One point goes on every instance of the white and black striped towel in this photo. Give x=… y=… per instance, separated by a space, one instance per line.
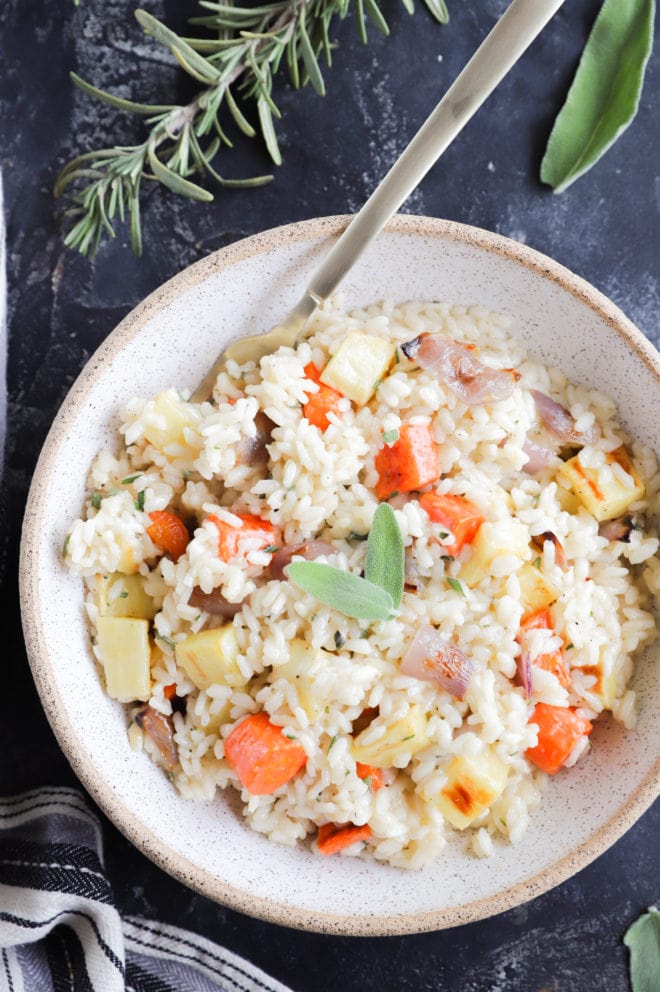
x=60 y=930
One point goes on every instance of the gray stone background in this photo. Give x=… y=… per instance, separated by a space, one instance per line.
x=335 y=149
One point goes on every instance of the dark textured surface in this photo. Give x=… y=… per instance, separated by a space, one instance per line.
x=605 y=228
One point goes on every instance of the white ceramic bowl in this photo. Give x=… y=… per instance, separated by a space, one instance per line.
x=171 y=339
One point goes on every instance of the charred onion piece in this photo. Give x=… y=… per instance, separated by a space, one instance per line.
x=559 y=421
x=309 y=550
x=253 y=450
x=431 y=658
x=538 y=457
x=161 y=730
x=524 y=672
x=560 y=555
x=617 y=530
x=214 y=602
x=455 y=364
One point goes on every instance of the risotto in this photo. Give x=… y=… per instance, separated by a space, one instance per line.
x=382 y=585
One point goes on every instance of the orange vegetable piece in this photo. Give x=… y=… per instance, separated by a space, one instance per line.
x=253 y=534
x=321 y=403
x=410 y=463
x=169 y=691
x=560 y=729
x=333 y=838
x=375 y=775
x=554 y=661
x=262 y=756
x=455 y=513
x=169 y=532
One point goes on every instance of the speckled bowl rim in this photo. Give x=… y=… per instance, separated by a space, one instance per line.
x=130 y=825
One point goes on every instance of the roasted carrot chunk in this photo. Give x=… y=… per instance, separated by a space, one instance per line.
x=321 y=403
x=560 y=728
x=408 y=464
x=553 y=661
x=372 y=776
x=455 y=513
x=253 y=534
x=333 y=838
x=169 y=532
x=262 y=756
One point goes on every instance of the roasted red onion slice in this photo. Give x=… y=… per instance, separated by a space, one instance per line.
x=538 y=457
x=214 y=602
x=524 y=672
x=616 y=530
x=431 y=658
x=559 y=421
x=252 y=450
x=456 y=365
x=161 y=730
x=309 y=550
x=560 y=555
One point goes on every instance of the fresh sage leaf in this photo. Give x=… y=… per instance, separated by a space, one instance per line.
x=604 y=96
x=384 y=564
x=342 y=591
x=643 y=941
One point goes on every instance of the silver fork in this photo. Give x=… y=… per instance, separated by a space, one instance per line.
x=522 y=21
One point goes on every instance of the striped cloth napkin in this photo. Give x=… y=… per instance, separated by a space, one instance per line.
x=60 y=929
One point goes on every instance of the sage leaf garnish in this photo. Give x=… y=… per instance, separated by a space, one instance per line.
x=384 y=564
x=643 y=941
x=604 y=96
x=350 y=594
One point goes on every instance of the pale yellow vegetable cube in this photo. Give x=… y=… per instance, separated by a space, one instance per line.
x=536 y=591
x=494 y=538
x=474 y=782
x=119 y=595
x=358 y=365
x=604 y=499
x=406 y=736
x=125 y=653
x=308 y=669
x=210 y=657
x=567 y=499
x=606 y=685
x=175 y=416
x=128 y=563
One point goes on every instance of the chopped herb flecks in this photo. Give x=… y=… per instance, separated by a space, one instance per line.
x=130 y=478
x=139 y=501
x=167 y=640
x=390 y=437
x=96 y=500
x=456 y=586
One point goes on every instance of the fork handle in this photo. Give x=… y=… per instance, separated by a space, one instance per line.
x=500 y=50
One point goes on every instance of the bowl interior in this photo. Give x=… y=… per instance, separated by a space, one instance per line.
x=170 y=340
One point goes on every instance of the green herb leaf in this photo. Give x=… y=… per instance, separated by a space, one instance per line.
x=456 y=586
x=439 y=10
x=643 y=941
x=343 y=591
x=384 y=564
x=118 y=101
x=139 y=501
x=604 y=96
x=167 y=640
x=130 y=478
x=389 y=437
x=123 y=594
x=174 y=182
x=331 y=744
x=271 y=549
x=536 y=563
x=96 y=500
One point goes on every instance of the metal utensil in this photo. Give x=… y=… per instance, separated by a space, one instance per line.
x=522 y=21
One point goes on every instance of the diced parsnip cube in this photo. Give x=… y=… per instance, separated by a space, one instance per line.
x=536 y=591
x=125 y=653
x=209 y=657
x=358 y=365
x=567 y=499
x=494 y=538
x=128 y=563
x=606 y=684
x=176 y=416
x=405 y=736
x=474 y=782
x=119 y=595
x=309 y=671
x=604 y=499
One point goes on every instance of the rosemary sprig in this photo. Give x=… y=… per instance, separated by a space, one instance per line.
x=235 y=68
